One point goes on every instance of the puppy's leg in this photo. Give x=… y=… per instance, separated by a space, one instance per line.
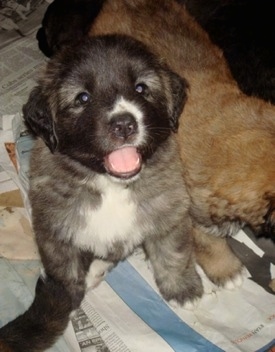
x=217 y=259
x=42 y=323
x=68 y=265
x=59 y=291
x=97 y=272
x=174 y=268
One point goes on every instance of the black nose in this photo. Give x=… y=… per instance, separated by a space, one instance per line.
x=123 y=125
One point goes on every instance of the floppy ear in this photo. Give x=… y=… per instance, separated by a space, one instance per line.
x=38 y=118
x=179 y=87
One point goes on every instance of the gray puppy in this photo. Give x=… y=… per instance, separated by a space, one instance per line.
x=106 y=176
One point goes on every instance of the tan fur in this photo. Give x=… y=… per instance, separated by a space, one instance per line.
x=227 y=139
x=216 y=258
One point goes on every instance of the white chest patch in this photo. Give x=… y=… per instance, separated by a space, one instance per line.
x=113 y=221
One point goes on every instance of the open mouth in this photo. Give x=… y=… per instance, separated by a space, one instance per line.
x=124 y=162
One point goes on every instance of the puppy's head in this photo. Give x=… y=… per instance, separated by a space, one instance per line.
x=107 y=103
x=64 y=22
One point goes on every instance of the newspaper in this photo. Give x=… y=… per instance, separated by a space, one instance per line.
x=125 y=313
x=20 y=57
x=20 y=65
x=19 y=19
x=8 y=173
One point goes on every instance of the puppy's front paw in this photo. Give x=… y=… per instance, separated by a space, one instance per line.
x=234 y=282
x=186 y=292
x=97 y=272
x=231 y=279
x=218 y=261
x=188 y=305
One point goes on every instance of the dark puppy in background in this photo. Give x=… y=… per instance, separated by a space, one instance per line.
x=106 y=177
x=244 y=30
x=65 y=22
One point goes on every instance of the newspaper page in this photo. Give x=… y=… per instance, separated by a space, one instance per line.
x=19 y=68
x=18 y=19
x=7 y=163
x=20 y=58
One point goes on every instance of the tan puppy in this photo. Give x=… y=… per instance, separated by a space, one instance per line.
x=227 y=139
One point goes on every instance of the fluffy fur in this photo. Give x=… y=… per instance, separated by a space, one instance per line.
x=107 y=96
x=226 y=138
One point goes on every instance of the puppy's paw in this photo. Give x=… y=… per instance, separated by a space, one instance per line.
x=234 y=282
x=188 y=305
x=97 y=272
x=185 y=291
x=191 y=305
x=227 y=272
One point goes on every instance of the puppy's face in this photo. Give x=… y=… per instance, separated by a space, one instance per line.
x=107 y=103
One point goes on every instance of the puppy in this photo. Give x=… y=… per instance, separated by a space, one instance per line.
x=226 y=138
x=65 y=22
x=106 y=177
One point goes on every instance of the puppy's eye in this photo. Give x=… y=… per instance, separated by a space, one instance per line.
x=141 y=88
x=82 y=98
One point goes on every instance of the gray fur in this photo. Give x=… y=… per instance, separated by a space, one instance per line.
x=85 y=218
x=65 y=193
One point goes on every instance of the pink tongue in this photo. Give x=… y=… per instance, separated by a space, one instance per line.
x=123 y=161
